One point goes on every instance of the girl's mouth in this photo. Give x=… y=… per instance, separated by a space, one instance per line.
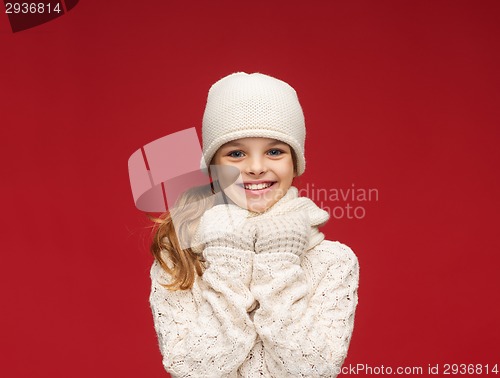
x=258 y=188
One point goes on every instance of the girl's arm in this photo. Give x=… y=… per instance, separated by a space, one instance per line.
x=307 y=305
x=206 y=331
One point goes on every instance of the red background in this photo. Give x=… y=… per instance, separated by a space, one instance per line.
x=398 y=96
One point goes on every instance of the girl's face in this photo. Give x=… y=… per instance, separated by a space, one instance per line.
x=266 y=167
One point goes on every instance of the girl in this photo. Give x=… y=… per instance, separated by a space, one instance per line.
x=259 y=293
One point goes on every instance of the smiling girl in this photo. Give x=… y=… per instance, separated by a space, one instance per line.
x=260 y=292
x=267 y=167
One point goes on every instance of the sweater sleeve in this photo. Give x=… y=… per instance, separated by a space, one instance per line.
x=307 y=306
x=206 y=331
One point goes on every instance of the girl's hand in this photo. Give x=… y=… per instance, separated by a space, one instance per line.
x=288 y=232
x=225 y=226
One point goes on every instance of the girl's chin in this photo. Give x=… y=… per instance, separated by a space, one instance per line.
x=259 y=206
x=257 y=209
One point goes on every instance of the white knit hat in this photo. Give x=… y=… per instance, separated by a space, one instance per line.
x=245 y=105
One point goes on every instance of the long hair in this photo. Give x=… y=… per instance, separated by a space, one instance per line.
x=182 y=264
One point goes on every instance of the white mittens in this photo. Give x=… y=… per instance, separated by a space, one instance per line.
x=289 y=232
x=228 y=226
x=225 y=226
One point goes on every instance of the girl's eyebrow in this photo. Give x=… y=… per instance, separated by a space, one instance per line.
x=233 y=143
x=275 y=142
x=238 y=144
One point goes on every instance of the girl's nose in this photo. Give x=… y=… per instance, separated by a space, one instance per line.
x=256 y=166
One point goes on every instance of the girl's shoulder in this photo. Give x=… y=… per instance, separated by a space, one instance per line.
x=158 y=274
x=335 y=247
x=331 y=262
x=329 y=251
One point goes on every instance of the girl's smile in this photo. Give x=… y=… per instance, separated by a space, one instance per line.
x=266 y=168
x=257 y=187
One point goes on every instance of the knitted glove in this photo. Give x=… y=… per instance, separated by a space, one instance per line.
x=225 y=226
x=289 y=232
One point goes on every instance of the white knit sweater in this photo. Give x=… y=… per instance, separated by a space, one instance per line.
x=261 y=315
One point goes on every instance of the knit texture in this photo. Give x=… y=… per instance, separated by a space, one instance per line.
x=279 y=312
x=225 y=225
x=287 y=233
x=245 y=105
x=291 y=203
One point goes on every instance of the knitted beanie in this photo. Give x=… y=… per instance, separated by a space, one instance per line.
x=245 y=105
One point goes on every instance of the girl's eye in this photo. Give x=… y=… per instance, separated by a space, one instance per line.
x=275 y=152
x=235 y=154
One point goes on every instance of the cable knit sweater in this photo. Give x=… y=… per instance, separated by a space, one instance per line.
x=250 y=314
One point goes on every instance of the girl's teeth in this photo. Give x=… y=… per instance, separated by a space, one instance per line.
x=257 y=186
